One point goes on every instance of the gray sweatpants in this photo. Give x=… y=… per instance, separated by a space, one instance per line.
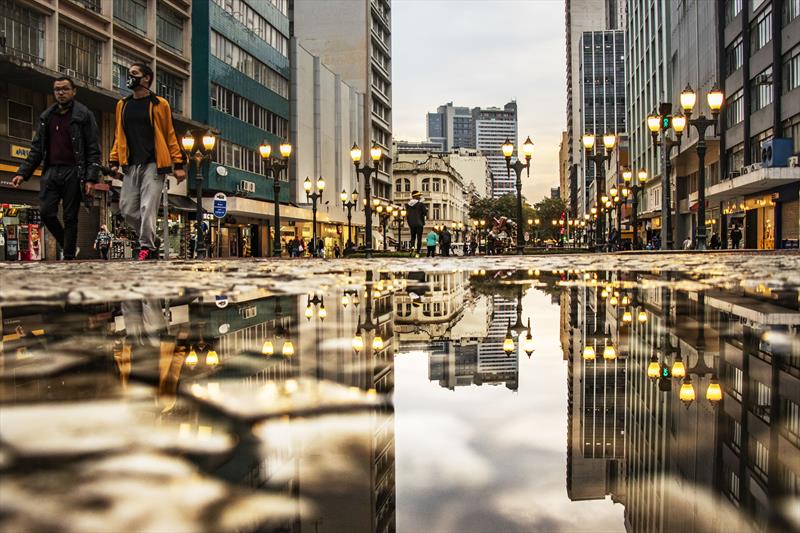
x=140 y=199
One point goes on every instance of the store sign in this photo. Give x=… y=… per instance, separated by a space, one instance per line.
x=221 y=301
x=20 y=152
x=220 y=205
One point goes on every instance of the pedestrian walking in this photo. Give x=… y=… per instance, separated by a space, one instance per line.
x=102 y=243
x=66 y=145
x=416 y=212
x=473 y=245
x=321 y=248
x=432 y=240
x=337 y=252
x=687 y=243
x=146 y=149
x=445 y=240
x=715 y=241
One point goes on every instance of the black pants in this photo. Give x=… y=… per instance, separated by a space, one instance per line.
x=416 y=238
x=432 y=251
x=61 y=184
x=103 y=252
x=445 y=249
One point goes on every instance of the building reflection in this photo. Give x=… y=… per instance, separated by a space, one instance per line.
x=462 y=331
x=702 y=402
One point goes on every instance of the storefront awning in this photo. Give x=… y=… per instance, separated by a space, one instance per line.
x=182 y=203
x=248 y=207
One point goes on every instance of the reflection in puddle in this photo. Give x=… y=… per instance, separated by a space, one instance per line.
x=379 y=400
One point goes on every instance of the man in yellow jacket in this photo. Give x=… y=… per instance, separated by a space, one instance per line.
x=146 y=149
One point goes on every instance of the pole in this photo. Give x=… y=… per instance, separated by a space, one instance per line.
x=700 y=240
x=635 y=190
x=314 y=252
x=384 y=223
x=368 y=208
x=666 y=222
x=276 y=192
x=600 y=183
x=219 y=237
x=520 y=240
x=200 y=247
x=350 y=225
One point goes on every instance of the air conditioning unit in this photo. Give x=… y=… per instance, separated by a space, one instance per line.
x=247 y=186
x=794 y=161
x=70 y=72
x=776 y=152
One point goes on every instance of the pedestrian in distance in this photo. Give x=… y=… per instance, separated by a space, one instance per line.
x=337 y=252
x=715 y=241
x=432 y=240
x=417 y=213
x=321 y=248
x=736 y=236
x=445 y=240
x=145 y=151
x=66 y=145
x=102 y=243
x=687 y=243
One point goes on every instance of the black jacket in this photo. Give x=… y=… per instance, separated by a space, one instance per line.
x=417 y=213
x=84 y=133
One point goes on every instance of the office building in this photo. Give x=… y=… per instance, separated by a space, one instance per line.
x=602 y=71
x=415 y=147
x=579 y=16
x=451 y=126
x=241 y=88
x=648 y=70
x=354 y=40
x=493 y=126
x=94 y=43
x=326 y=115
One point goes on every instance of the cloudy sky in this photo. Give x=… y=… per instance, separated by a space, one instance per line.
x=483 y=53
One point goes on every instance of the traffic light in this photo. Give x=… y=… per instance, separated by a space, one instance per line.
x=665 y=380
x=665 y=122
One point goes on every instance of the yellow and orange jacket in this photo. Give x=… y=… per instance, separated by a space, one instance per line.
x=168 y=152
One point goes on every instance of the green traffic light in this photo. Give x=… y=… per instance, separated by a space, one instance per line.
x=665 y=371
x=665 y=123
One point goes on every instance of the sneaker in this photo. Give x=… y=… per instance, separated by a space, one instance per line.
x=143 y=253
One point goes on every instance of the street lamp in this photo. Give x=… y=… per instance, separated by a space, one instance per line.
x=314 y=197
x=399 y=214
x=384 y=214
x=519 y=166
x=273 y=166
x=661 y=122
x=349 y=205
x=203 y=153
x=715 y=100
x=366 y=171
x=635 y=187
x=599 y=158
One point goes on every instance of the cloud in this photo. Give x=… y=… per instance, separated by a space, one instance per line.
x=479 y=53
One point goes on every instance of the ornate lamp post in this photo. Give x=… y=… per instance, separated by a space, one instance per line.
x=273 y=167
x=519 y=166
x=366 y=171
x=399 y=214
x=314 y=197
x=635 y=187
x=599 y=158
x=701 y=124
x=656 y=122
x=384 y=212
x=203 y=153
x=349 y=205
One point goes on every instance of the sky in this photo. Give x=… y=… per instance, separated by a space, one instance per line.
x=482 y=53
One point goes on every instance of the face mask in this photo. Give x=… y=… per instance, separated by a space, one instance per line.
x=133 y=81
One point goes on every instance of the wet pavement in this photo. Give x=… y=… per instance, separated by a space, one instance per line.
x=639 y=392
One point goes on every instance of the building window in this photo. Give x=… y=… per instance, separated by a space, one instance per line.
x=735 y=381
x=791 y=69
x=733 y=484
x=78 y=55
x=761 y=30
x=755 y=144
x=734 y=110
x=170 y=87
x=437 y=185
x=791 y=129
x=20 y=120
x=735 y=434
x=132 y=14
x=759 y=454
x=229 y=53
x=255 y=23
x=762 y=400
x=732 y=8
x=23 y=29
x=791 y=420
x=734 y=55
x=761 y=90
x=791 y=10
x=119 y=70
x=230 y=103
x=169 y=28
x=233 y=155
x=437 y=212
x=426 y=185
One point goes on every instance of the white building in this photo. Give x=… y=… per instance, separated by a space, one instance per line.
x=493 y=126
x=474 y=169
x=353 y=39
x=326 y=114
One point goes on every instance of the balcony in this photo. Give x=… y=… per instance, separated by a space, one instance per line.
x=754 y=181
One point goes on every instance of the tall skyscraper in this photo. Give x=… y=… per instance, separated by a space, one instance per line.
x=649 y=77
x=579 y=16
x=353 y=38
x=452 y=126
x=602 y=85
x=493 y=126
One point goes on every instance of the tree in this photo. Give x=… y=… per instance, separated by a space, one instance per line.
x=505 y=206
x=547 y=210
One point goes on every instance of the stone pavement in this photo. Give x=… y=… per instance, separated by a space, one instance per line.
x=99 y=281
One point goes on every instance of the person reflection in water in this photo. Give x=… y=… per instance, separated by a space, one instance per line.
x=146 y=334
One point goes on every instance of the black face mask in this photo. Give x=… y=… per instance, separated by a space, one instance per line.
x=133 y=81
